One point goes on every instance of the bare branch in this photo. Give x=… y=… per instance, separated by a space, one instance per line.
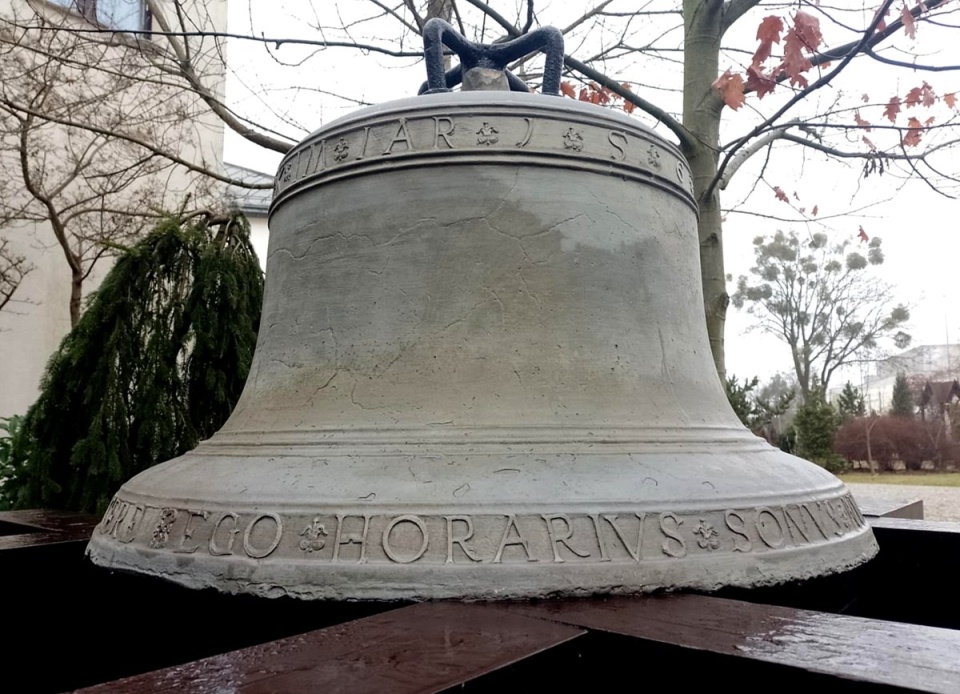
x=823 y=81
x=841 y=154
x=911 y=162
x=93 y=128
x=13 y=268
x=572 y=63
x=874 y=37
x=734 y=10
x=274 y=40
x=529 y=22
x=584 y=17
x=393 y=13
x=744 y=154
x=416 y=15
x=910 y=66
x=189 y=73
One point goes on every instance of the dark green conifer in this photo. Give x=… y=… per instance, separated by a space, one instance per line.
x=850 y=402
x=154 y=366
x=816 y=426
x=901 y=402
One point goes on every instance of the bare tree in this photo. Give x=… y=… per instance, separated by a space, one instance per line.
x=13 y=268
x=822 y=300
x=789 y=71
x=94 y=146
x=78 y=181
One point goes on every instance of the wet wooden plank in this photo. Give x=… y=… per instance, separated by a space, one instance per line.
x=428 y=647
x=914 y=658
x=886 y=508
x=37 y=527
x=945 y=528
x=36 y=539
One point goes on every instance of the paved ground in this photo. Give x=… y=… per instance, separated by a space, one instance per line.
x=939 y=503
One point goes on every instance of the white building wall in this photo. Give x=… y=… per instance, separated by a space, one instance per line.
x=34 y=323
x=260 y=237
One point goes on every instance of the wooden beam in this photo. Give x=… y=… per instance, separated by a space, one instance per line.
x=869 y=651
x=428 y=647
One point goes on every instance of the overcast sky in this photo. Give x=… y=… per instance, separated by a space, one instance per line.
x=917 y=224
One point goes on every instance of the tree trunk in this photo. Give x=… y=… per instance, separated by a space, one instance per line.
x=74 y=260
x=873 y=467
x=701 y=117
x=76 y=295
x=442 y=9
x=803 y=380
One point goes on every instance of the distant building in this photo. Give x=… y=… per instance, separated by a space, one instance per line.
x=937 y=397
x=936 y=361
x=921 y=364
x=254 y=203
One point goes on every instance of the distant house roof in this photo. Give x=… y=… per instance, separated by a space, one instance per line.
x=939 y=392
x=253 y=202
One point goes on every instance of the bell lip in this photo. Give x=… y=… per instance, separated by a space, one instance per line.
x=807 y=525
x=356 y=582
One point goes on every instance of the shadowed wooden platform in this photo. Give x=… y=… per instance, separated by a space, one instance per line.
x=891 y=625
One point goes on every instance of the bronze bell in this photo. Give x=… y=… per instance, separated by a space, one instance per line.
x=482 y=372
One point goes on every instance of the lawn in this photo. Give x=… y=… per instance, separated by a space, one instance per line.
x=926 y=479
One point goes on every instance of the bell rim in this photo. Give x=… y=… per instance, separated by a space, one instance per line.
x=373 y=582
